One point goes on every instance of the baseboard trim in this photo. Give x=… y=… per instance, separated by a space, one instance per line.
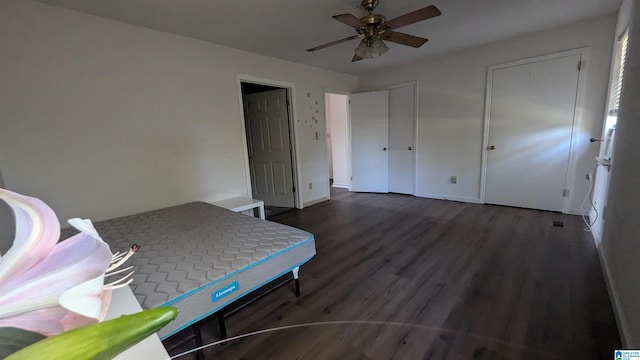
x=316 y=201
x=613 y=297
x=342 y=186
x=449 y=197
x=580 y=212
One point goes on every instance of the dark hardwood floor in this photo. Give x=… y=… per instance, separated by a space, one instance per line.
x=418 y=278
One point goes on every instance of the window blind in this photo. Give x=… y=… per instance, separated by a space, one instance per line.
x=616 y=85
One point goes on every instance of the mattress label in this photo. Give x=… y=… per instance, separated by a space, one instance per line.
x=234 y=286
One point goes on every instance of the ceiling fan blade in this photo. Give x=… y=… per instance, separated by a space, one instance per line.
x=350 y=20
x=335 y=42
x=404 y=39
x=412 y=17
x=356 y=58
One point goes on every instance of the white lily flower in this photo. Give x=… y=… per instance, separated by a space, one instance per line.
x=50 y=287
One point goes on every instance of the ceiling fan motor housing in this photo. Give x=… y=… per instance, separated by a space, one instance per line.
x=372 y=24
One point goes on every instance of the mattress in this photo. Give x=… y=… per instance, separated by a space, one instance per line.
x=199 y=257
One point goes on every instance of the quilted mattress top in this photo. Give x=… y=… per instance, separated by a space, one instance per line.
x=187 y=246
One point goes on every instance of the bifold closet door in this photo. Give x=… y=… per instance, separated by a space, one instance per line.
x=402 y=117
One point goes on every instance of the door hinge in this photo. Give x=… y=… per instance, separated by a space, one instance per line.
x=565 y=192
x=349 y=101
x=294 y=189
x=580 y=64
x=287 y=102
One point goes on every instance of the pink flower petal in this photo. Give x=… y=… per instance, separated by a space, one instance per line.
x=85 y=299
x=85 y=226
x=57 y=319
x=37 y=232
x=48 y=322
x=72 y=262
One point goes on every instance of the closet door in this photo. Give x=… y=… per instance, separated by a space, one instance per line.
x=370 y=141
x=530 y=130
x=402 y=119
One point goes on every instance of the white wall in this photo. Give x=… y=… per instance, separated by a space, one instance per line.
x=100 y=118
x=451 y=103
x=601 y=186
x=620 y=247
x=337 y=116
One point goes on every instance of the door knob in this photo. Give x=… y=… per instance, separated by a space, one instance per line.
x=491 y=147
x=410 y=148
x=384 y=149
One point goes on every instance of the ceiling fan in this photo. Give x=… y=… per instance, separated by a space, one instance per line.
x=374 y=28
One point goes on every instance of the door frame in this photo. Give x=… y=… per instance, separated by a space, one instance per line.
x=290 y=88
x=326 y=124
x=415 y=130
x=577 y=116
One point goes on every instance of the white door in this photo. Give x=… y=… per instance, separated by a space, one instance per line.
x=402 y=115
x=267 y=125
x=530 y=126
x=337 y=110
x=370 y=141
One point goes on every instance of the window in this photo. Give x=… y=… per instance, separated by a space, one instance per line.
x=614 y=92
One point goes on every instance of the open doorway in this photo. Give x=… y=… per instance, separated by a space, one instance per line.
x=268 y=130
x=337 y=110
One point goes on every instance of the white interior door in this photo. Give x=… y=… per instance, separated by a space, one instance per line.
x=531 y=119
x=267 y=126
x=337 y=110
x=370 y=141
x=402 y=115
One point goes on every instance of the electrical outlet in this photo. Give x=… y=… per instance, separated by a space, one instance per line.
x=310 y=186
x=454 y=179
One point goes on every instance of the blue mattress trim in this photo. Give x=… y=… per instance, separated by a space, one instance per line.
x=216 y=309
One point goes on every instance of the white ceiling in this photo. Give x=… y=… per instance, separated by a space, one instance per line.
x=286 y=28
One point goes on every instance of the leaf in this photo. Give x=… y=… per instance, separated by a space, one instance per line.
x=13 y=339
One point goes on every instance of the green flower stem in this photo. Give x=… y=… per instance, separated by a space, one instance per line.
x=103 y=340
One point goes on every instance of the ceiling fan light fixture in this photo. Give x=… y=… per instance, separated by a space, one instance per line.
x=370 y=47
x=364 y=50
x=368 y=53
x=378 y=46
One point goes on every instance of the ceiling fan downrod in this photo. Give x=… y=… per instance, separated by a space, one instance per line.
x=369 y=5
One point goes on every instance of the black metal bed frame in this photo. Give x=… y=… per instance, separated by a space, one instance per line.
x=233 y=308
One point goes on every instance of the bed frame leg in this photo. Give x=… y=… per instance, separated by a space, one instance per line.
x=221 y=325
x=198 y=339
x=297 y=280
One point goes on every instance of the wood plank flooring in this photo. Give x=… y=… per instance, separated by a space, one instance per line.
x=417 y=278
